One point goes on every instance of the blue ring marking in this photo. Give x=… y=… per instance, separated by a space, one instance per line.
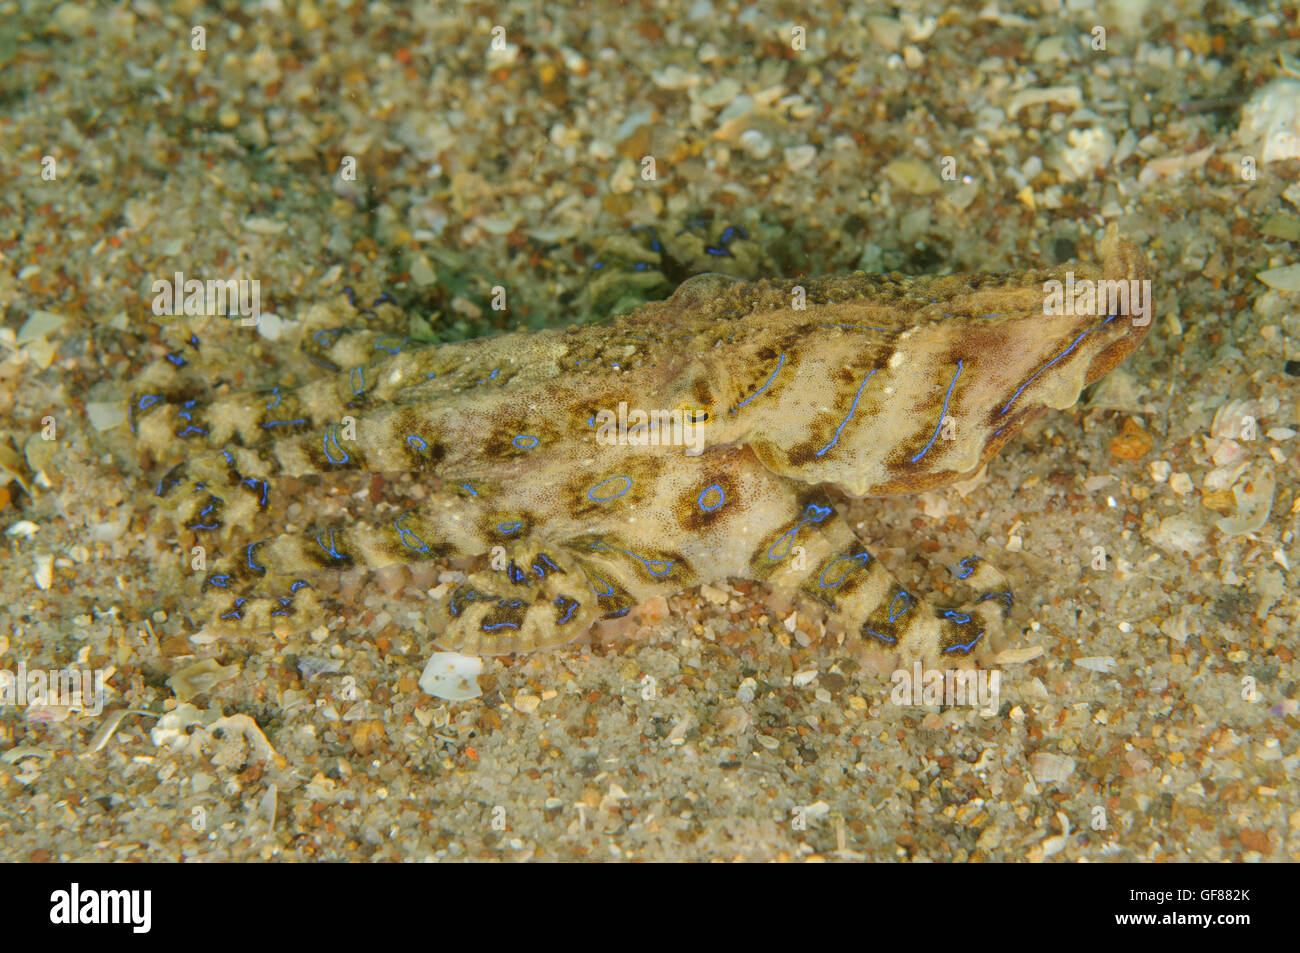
x=357 y=372
x=627 y=485
x=722 y=498
x=883 y=638
x=401 y=343
x=541 y=572
x=765 y=386
x=907 y=604
x=331 y=435
x=331 y=547
x=248 y=554
x=525 y=438
x=224 y=580
x=469 y=489
x=509 y=529
x=151 y=398
x=559 y=601
x=960 y=618
x=283 y=423
x=861 y=559
x=275 y=392
x=498 y=625
x=403 y=533
x=966 y=567
x=326 y=333
x=813 y=513
x=416 y=443
x=963 y=649
x=235 y=612
x=943 y=412
x=254 y=484
x=852 y=410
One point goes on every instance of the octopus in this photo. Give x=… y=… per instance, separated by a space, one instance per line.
x=579 y=472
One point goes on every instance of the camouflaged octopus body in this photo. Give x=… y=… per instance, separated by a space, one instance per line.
x=878 y=385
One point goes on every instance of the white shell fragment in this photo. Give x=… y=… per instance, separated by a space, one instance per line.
x=1270 y=122
x=1253 y=507
x=452 y=676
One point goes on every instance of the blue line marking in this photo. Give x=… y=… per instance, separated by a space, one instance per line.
x=541 y=572
x=960 y=618
x=609 y=590
x=883 y=638
x=965 y=648
x=248 y=553
x=499 y=625
x=591 y=494
x=469 y=489
x=765 y=386
x=943 y=412
x=283 y=423
x=852 y=410
x=357 y=378
x=418 y=546
x=722 y=498
x=330 y=548
x=509 y=528
x=391 y=349
x=665 y=565
x=559 y=601
x=254 y=484
x=966 y=567
x=1058 y=357
x=332 y=435
x=221 y=581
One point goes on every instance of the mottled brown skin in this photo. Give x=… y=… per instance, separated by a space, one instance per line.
x=876 y=385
